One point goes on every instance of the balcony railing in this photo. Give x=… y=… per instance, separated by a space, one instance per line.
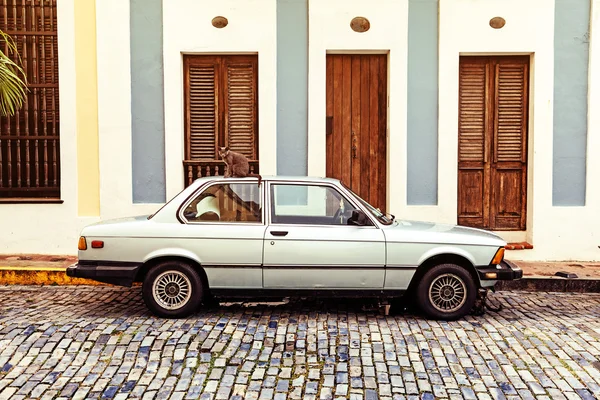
x=194 y=169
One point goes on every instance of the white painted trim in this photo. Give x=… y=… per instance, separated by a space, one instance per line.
x=187 y=29
x=114 y=111
x=67 y=101
x=593 y=132
x=114 y=104
x=512 y=236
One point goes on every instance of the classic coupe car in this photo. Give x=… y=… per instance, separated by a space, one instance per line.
x=289 y=236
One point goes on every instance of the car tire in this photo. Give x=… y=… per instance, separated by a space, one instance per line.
x=447 y=292
x=172 y=289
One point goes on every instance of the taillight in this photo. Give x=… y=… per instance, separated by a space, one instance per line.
x=97 y=244
x=82 y=245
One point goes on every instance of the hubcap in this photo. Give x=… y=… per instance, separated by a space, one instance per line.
x=447 y=293
x=172 y=290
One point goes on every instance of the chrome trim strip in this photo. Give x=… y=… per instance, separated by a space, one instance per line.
x=273 y=238
x=291 y=266
x=402 y=266
x=228 y=266
x=442 y=244
x=371 y=267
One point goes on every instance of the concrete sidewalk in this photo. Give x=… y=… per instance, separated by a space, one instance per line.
x=36 y=269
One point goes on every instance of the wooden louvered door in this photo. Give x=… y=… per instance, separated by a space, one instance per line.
x=492 y=150
x=240 y=105
x=221 y=109
x=356 y=101
x=202 y=100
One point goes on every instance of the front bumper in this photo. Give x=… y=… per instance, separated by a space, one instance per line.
x=505 y=271
x=116 y=273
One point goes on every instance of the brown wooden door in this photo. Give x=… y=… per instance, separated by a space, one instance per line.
x=221 y=109
x=356 y=124
x=492 y=150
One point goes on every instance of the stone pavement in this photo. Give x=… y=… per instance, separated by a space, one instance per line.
x=101 y=342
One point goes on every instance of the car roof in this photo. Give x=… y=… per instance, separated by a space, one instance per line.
x=281 y=178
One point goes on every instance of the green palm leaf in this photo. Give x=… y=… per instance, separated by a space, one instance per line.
x=13 y=82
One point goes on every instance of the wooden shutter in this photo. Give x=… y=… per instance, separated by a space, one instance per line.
x=202 y=110
x=221 y=106
x=30 y=140
x=492 y=133
x=511 y=120
x=240 y=106
x=508 y=175
x=473 y=126
x=472 y=99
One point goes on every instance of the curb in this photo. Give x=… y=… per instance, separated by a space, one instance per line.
x=55 y=276
x=551 y=284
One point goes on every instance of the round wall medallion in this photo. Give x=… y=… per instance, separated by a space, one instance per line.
x=360 y=24
x=497 y=22
x=219 y=22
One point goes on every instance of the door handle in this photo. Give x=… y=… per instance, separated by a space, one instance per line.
x=279 y=233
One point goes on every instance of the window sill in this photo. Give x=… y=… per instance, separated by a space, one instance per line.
x=30 y=200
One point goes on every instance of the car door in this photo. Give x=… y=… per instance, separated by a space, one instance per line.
x=224 y=227
x=309 y=245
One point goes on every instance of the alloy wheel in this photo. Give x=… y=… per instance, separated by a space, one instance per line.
x=172 y=290
x=447 y=293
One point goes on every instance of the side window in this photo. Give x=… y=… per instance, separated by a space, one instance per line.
x=235 y=202
x=323 y=206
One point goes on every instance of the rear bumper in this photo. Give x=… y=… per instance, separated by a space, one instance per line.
x=505 y=271
x=116 y=273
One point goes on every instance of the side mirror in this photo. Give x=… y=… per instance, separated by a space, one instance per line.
x=359 y=218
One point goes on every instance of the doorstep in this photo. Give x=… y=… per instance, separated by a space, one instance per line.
x=518 y=246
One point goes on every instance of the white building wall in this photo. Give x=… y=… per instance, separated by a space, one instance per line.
x=114 y=111
x=187 y=29
x=573 y=233
x=557 y=233
x=52 y=228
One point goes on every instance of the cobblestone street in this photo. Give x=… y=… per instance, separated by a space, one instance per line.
x=101 y=342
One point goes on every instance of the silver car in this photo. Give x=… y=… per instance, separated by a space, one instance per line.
x=289 y=236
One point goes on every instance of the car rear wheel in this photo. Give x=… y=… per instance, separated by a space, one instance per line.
x=447 y=292
x=172 y=289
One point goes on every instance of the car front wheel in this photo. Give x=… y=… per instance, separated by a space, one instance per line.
x=447 y=292
x=172 y=289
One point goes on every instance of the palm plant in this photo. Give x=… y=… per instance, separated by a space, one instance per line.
x=13 y=82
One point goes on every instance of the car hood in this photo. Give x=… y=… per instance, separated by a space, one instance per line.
x=430 y=232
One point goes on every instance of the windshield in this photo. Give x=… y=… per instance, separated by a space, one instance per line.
x=381 y=217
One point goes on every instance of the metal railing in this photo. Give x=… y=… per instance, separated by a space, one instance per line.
x=194 y=169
